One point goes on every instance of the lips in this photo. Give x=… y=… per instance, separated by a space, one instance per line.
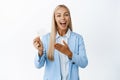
x=63 y=24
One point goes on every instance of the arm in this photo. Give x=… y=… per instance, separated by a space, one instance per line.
x=80 y=58
x=40 y=59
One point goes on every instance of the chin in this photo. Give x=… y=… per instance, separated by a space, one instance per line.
x=63 y=28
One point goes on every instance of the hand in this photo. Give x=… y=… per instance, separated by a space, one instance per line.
x=63 y=49
x=38 y=45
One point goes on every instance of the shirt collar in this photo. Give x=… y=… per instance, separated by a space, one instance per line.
x=66 y=35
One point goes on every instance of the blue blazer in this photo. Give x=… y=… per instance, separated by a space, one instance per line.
x=52 y=68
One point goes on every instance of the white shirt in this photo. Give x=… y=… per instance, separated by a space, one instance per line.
x=64 y=65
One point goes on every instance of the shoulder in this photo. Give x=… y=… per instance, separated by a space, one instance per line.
x=77 y=35
x=46 y=37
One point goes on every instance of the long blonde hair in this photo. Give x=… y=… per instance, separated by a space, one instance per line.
x=53 y=33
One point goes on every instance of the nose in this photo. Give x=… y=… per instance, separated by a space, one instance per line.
x=62 y=17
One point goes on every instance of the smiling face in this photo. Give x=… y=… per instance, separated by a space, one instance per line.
x=62 y=18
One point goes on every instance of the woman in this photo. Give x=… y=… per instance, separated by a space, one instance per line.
x=62 y=50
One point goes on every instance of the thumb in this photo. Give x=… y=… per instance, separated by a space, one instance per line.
x=65 y=43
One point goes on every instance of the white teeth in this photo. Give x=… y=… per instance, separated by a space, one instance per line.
x=63 y=22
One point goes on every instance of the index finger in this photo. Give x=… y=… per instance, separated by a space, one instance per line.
x=36 y=39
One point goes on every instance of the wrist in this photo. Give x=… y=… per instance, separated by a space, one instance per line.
x=40 y=52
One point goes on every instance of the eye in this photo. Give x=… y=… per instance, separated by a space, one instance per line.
x=58 y=15
x=66 y=14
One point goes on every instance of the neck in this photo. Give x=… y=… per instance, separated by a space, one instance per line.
x=62 y=32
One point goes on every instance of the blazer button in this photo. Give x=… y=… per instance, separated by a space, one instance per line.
x=73 y=62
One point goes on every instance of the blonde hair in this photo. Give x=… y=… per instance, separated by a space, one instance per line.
x=54 y=31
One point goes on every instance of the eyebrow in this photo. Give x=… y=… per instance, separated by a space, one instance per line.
x=60 y=13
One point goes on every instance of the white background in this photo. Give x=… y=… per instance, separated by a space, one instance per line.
x=98 y=21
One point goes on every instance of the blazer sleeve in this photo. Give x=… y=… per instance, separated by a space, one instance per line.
x=80 y=58
x=39 y=61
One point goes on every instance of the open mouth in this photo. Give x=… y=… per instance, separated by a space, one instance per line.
x=63 y=24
